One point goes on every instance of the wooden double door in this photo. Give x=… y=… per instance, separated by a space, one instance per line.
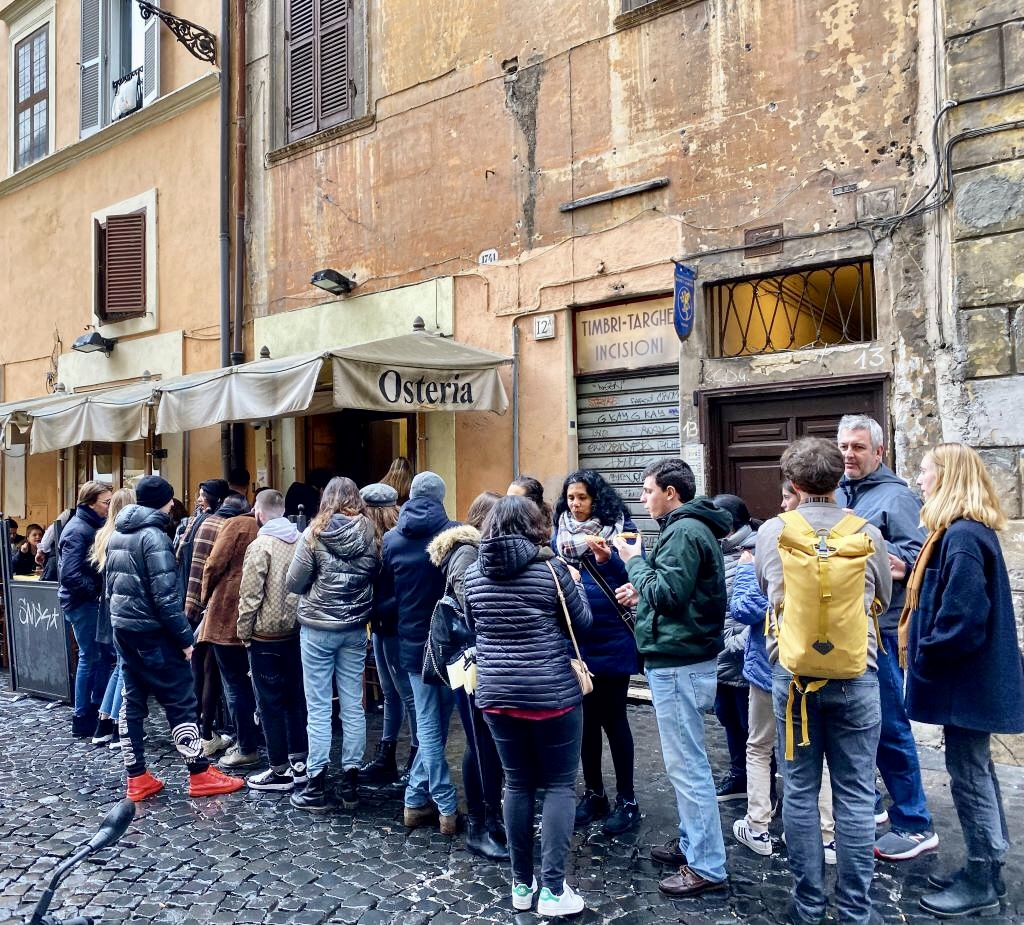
x=748 y=431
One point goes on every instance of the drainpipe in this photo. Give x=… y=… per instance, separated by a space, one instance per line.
x=225 y=202
x=238 y=79
x=515 y=398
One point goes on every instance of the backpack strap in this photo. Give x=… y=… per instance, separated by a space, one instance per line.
x=796 y=520
x=796 y=687
x=849 y=525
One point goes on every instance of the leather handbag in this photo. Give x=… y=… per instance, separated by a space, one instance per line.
x=448 y=639
x=579 y=667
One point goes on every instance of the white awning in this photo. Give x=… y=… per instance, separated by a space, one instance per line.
x=117 y=415
x=252 y=391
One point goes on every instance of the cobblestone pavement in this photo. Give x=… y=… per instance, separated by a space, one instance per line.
x=250 y=857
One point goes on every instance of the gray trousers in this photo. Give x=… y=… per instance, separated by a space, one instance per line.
x=975 y=789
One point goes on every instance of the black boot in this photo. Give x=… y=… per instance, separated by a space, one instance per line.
x=496 y=826
x=383 y=769
x=972 y=892
x=479 y=841
x=312 y=797
x=941 y=882
x=349 y=789
x=408 y=764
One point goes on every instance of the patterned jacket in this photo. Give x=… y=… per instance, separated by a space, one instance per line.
x=266 y=609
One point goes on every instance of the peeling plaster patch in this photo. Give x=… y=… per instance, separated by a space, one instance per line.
x=989 y=201
x=994 y=406
x=522 y=90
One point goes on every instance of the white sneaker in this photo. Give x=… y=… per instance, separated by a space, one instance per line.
x=216 y=743
x=522 y=895
x=758 y=842
x=830 y=853
x=569 y=903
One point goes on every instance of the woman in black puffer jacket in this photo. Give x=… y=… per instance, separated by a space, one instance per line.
x=527 y=690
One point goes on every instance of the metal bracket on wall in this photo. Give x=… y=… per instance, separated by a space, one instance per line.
x=200 y=43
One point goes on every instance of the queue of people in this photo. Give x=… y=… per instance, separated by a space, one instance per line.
x=801 y=634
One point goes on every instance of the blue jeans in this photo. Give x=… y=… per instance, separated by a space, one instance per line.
x=975 y=789
x=94 y=661
x=394 y=684
x=843 y=723
x=114 y=693
x=430 y=775
x=897 y=752
x=681 y=697
x=539 y=754
x=338 y=655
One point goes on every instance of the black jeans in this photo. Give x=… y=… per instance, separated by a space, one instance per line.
x=153 y=665
x=732 y=703
x=277 y=681
x=206 y=682
x=481 y=766
x=539 y=755
x=604 y=708
x=234 y=675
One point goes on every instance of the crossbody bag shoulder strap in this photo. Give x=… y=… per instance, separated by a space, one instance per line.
x=592 y=570
x=565 y=608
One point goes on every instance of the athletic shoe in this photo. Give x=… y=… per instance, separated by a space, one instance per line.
x=902 y=846
x=624 y=817
x=881 y=813
x=830 y=853
x=758 y=842
x=270 y=780
x=216 y=743
x=115 y=742
x=105 y=730
x=142 y=786
x=213 y=782
x=731 y=788
x=592 y=806
x=236 y=758
x=299 y=775
x=522 y=895
x=569 y=903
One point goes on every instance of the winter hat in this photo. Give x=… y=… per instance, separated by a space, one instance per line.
x=216 y=490
x=153 y=491
x=378 y=494
x=427 y=485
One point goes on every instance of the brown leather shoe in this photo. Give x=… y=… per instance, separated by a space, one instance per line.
x=689 y=883
x=416 y=816
x=668 y=854
x=449 y=825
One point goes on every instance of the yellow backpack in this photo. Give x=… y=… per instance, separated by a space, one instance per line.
x=821 y=624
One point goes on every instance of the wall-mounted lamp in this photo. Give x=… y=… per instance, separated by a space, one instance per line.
x=332 y=281
x=92 y=341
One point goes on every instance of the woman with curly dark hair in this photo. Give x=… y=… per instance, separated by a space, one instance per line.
x=588 y=514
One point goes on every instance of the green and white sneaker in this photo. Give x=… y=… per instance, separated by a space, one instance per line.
x=569 y=903
x=522 y=895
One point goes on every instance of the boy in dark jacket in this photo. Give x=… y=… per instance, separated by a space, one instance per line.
x=155 y=642
x=679 y=593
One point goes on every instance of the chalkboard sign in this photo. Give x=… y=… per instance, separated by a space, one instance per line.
x=37 y=635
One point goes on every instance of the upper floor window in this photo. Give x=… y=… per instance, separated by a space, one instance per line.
x=321 y=65
x=792 y=310
x=120 y=62
x=31 y=97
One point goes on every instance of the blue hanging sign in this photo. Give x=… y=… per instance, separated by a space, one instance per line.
x=683 y=314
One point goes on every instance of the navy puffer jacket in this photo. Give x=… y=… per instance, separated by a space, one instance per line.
x=522 y=649
x=142 y=577
x=335 y=574
x=80 y=583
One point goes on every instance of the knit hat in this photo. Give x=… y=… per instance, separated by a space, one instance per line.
x=378 y=494
x=427 y=485
x=216 y=490
x=153 y=491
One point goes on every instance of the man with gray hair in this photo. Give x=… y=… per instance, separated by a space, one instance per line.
x=873 y=491
x=268 y=630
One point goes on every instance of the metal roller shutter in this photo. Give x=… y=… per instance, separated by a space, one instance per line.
x=624 y=422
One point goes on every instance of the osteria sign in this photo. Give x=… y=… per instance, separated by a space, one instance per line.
x=633 y=336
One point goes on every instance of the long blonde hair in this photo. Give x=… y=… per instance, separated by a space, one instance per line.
x=963 y=489
x=118 y=500
x=341 y=496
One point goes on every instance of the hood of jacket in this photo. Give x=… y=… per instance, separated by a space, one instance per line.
x=446 y=542
x=719 y=522
x=744 y=538
x=280 y=528
x=135 y=517
x=504 y=556
x=422 y=516
x=347 y=537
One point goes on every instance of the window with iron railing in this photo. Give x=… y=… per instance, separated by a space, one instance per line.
x=794 y=310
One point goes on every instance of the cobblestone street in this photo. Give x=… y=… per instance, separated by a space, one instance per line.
x=252 y=858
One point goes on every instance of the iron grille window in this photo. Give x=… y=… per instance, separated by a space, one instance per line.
x=31 y=117
x=792 y=311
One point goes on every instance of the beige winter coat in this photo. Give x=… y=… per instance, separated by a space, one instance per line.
x=266 y=609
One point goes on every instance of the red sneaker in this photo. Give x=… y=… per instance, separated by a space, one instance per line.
x=212 y=782
x=145 y=785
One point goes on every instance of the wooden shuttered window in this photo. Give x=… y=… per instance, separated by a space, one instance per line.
x=31 y=98
x=318 y=55
x=121 y=267
x=91 y=67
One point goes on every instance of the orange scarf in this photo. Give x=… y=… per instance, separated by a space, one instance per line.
x=914 y=592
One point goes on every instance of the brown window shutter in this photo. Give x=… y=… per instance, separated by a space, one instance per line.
x=333 y=58
x=125 y=266
x=300 y=82
x=100 y=276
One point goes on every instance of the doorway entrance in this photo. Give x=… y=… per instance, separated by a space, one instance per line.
x=748 y=431
x=358 y=444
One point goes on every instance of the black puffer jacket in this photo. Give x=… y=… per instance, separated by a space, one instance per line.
x=522 y=650
x=80 y=583
x=335 y=574
x=142 y=576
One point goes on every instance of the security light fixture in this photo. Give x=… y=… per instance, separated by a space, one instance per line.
x=332 y=281
x=92 y=341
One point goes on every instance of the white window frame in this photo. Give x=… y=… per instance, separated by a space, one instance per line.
x=151 y=320
x=38 y=15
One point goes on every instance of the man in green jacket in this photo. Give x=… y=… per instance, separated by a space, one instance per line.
x=679 y=594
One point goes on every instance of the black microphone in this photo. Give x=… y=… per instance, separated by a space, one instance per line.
x=114 y=825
